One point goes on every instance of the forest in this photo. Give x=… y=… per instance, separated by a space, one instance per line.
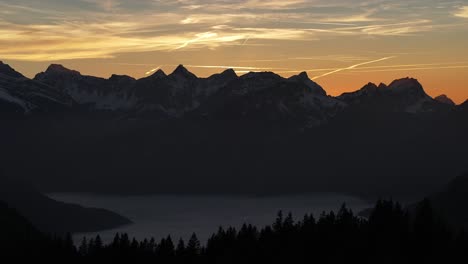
x=391 y=234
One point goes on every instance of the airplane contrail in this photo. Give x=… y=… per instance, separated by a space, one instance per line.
x=351 y=67
x=153 y=70
x=246 y=40
x=413 y=69
x=233 y=67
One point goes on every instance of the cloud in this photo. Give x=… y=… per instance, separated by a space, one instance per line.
x=72 y=29
x=107 y=5
x=462 y=12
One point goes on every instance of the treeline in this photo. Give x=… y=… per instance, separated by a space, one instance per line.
x=390 y=235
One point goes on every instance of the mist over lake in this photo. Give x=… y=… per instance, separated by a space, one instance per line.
x=180 y=216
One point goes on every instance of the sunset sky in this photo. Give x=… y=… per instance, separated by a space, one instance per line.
x=342 y=44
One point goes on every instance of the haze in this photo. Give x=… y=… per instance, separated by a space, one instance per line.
x=341 y=44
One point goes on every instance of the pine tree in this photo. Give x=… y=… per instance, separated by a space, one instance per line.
x=98 y=243
x=83 y=249
x=193 y=246
x=180 y=250
x=278 y=225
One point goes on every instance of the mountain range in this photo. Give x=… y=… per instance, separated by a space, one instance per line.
x=256 y=95
x=256 y=133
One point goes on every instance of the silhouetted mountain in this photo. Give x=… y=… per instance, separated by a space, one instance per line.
x=231 y=134
x=20 y=96
x=257 y=96
x=6 y=70
x=181 y=92
x=14 y=227
x=52 y=216
x=444 y=99
x=97 y=93
x=267 y=97
x=403 y=95
x=464 y=106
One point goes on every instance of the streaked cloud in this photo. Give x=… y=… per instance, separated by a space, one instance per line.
x=462 y=12
x=84 y=29
x=353 y=38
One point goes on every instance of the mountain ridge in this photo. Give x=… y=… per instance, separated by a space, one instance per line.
x=181 y=92
x=257 y=128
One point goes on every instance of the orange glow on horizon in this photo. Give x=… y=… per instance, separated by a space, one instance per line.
x=342 y=44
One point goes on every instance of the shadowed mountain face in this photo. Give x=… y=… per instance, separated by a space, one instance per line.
x=451 y=202
x=404 y=95
x=20 y=96
x=258 y=133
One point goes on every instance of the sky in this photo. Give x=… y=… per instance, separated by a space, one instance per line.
x=341 y=44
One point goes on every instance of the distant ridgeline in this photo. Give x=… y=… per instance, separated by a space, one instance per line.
x=389 y=235
x=258 y=133
x=50 y=216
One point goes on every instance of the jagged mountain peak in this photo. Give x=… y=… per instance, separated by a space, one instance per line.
x=402 y=95
x=405 y=84
x=159 y=74
x=409 y=88
x=382 y=86
x=60 y=69
x=5 y=69
x=445 y=100
x=304 y=79
x=229 y=72
x=261 y=75
x=184 y=72
x=370 y=86
x=370 y=89
x=118 y=78
x=304 y=75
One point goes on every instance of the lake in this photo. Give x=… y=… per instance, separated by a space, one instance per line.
x=158 y=216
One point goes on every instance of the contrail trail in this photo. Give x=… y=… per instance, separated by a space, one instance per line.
x=414 y=69
x=153 y=70
x=246 y=40
x=351 y=67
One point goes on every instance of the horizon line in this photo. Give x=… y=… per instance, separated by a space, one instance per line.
x=237 y=73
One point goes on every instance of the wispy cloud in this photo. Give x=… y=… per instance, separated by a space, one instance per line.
x=462 y=12
x=107 y=5
x=81 y=29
